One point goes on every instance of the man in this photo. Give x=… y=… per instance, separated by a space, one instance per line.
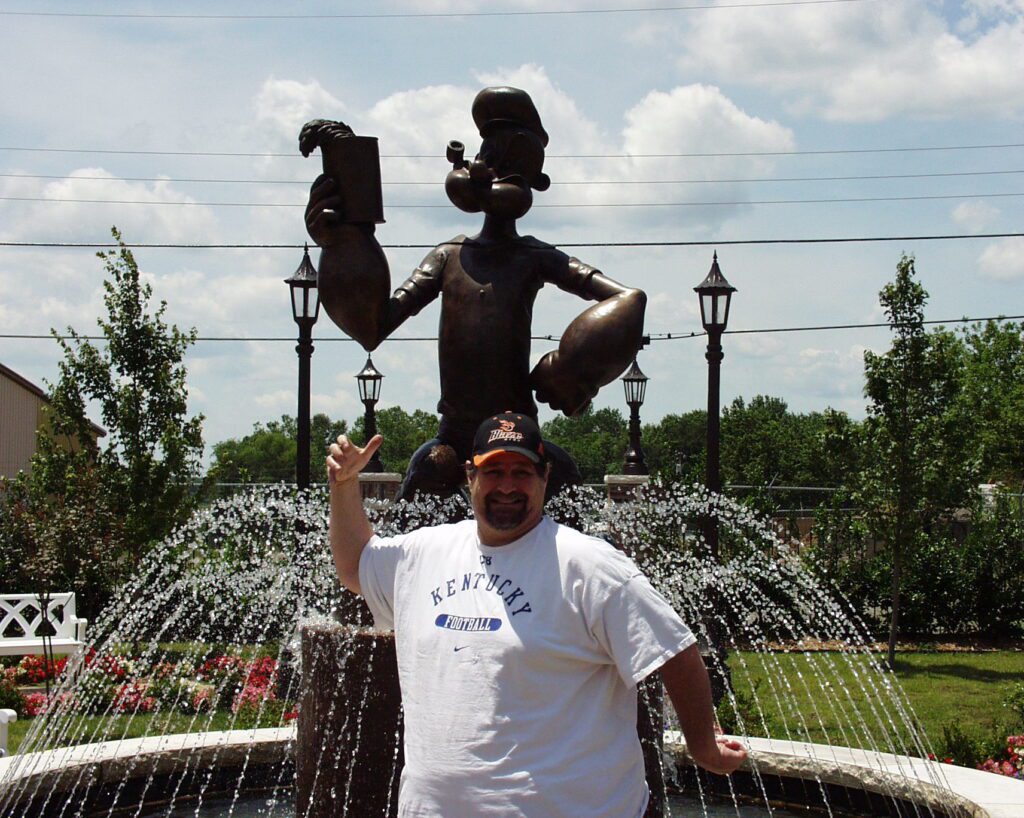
x=520 y=643
x=488 y=284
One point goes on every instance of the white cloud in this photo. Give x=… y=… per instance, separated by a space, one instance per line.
x=759 y=346
x=669 y=311
x=868 y=62
x=1003 y=260
x=286 y=105
x=975 y=216
x=85 y=205
x=833 y=374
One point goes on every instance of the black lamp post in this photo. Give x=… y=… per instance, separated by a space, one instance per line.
x=634 y=382
x=369 y=393
x=715 y=294
x=305 y=311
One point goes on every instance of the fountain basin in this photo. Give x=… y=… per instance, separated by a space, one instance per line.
x=263 y=759
x=148 y=770
x=842 y=772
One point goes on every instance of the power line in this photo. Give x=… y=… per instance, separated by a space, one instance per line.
x=678 y=336
x=657 y=336
x=423 y=14
x=610 y=182
x=699 y=243
x=694 y=155
x=573 y=205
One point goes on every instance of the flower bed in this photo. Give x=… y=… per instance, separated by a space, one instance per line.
x=112 y=684
x=1013 y=764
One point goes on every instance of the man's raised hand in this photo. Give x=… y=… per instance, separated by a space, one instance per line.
x=345 y=459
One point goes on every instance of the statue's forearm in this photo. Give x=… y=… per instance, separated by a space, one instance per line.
x=600 y=342
x=355 y=285
x=595 y=349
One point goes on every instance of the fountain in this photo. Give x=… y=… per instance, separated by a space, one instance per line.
x=188 y=692
x=249 y=572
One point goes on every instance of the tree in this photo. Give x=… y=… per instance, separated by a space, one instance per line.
x=764 y=444
x=674 y=446
x=85 y=514
x=403 y=434
x=267 y=453
x=919 y=463
x=596 y=440
x=993 y=391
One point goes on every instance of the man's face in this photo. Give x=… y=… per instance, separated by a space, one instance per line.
x=508 y=497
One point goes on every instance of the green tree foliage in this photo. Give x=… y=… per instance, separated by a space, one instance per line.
x=919 y=463
x=674 y=446
x=267 y=453
x=403 y=434
x=764 y=444
x=596 y=439
x=86 y=513
x=993 y=395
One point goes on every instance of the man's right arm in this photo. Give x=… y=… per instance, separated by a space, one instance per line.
x=349 y=529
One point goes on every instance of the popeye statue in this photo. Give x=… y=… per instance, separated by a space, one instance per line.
x=487 y=284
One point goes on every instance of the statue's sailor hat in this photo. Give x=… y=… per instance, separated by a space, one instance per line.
x=501 y=105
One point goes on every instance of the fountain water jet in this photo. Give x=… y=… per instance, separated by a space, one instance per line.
x=243 y=572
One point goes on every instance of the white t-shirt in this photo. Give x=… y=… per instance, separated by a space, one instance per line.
x=518 y=667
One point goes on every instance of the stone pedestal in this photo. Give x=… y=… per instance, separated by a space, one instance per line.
x=380 y=485
x=650 y=694
x=349 y=747
x=625 y=487
x=650 y=727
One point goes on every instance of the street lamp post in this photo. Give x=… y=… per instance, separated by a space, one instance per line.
x=369 y=393
x=634 y=382
x=715 y=295
x=305 y=311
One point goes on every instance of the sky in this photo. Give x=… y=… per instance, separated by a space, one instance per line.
x=708 y=123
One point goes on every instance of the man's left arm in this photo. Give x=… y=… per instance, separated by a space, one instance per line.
x=686 y=681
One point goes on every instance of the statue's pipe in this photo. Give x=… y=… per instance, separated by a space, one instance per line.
x=455 y=154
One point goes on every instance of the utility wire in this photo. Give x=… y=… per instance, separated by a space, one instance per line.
x=656 y=336
x=677 y=336
x=399 y=15
x=573 y=205
x=695 y=155
x=702 y=243
x=611 y=182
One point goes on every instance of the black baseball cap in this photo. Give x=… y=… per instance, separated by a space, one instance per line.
x=509 y=432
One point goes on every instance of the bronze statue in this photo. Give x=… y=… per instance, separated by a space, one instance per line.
x=488 y=284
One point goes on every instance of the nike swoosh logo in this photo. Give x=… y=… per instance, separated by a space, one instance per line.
x=462 y=648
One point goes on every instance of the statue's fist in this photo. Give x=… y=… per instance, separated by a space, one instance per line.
x=325 y=203
x=562 y=390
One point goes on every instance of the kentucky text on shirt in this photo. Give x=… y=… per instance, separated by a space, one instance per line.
x=471 y=581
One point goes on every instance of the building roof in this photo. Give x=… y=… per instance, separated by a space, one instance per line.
x=27 y=385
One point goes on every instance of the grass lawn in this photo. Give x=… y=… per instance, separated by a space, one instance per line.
x=966 y=689
x=84 y=728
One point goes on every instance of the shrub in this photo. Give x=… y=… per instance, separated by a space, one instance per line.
x=959 y=747
x=1013 y=764
x=36 y=704
x=35 y=670
x=743 y=716
x=994 y=550
x=132 y=698
x=1014 y=702
x=201 y=701
x=271 y=712
x=10 y=697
